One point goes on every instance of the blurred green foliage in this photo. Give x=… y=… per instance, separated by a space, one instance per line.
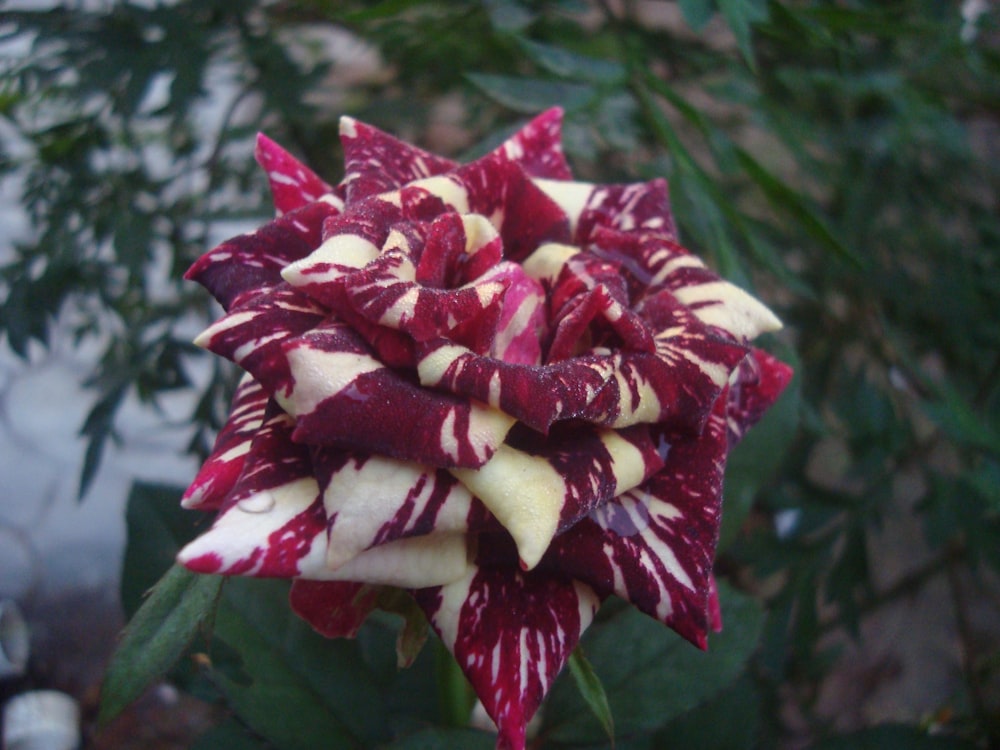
x=841 y=157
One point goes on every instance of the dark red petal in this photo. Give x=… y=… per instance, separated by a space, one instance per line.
x=521 y=211
x=223 y=466
x=458 y=250
x=252 y=334
x=343 y=396
x=653 y=264
x=273 y=522
x=511 y=633
x=641 y=206
x=589 y=290
x=376 y=162
x=760 y=381
x=250 y=263
x=537 y=147
x=654 y=546
x=293 y=184
x=386 y=294
x=335 y=609
x=373 y=500
x=676 y=386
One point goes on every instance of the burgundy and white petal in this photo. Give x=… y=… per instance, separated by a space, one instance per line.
x=293 y=184
x=511 y=633
x=654 y=545
x=343 y=396
x=376 y=162
x=536 y=487
x=224 y=464
x=504 y=391
x=251 y=263
x=371 y=500
x=273 y=522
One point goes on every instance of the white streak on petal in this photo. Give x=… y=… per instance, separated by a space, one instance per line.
x=318 y=375
x=431 y=369
x=571 y=197
x=733 y=310
x=246 y=526
x=348 y=127
x=548 y=260
x=416 y=562
x=525 y=494
x=223 y=324
x=447 y=189
x=366 y=495
x=344 y=250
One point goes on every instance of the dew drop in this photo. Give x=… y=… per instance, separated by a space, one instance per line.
x=261 y=502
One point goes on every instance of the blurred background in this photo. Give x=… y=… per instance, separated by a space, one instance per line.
x=842 y=159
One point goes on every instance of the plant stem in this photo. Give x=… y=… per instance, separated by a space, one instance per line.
x=455 y=695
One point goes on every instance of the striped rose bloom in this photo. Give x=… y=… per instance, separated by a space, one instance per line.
x=505 y=393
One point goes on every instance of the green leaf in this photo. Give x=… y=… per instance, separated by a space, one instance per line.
x=787 y=200
x=156 y=637
x=740 y=14
x=697 y=13
x=592 y=691
x=961 y=421
x=739 y=707
x=157 y=528
x=509 y=15
x=650 y=674
x=285 y=670
x=230 y=735
x=563 y=63
x=532 y=95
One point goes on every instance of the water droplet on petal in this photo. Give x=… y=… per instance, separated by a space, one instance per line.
x=261 y=502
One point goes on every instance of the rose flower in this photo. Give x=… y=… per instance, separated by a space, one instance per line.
x=507 y=393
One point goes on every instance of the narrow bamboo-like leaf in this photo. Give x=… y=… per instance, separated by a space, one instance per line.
x=567 y=64
x=156 y=637
x=697 y=13
x=787 y=200
x=740 y=14
x=531 y=95
x=590 y=687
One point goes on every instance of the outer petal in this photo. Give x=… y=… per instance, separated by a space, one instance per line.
x=293 y=184
x=376 y=162
x=222 y=468
x=760 y=379
x=511 y=634
x=252 y=334
x=335 y=609
x=274 y=520
x=654 y=545
x=537 y=147
x=640 y=207
x=250 y=263
x=372 y=500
